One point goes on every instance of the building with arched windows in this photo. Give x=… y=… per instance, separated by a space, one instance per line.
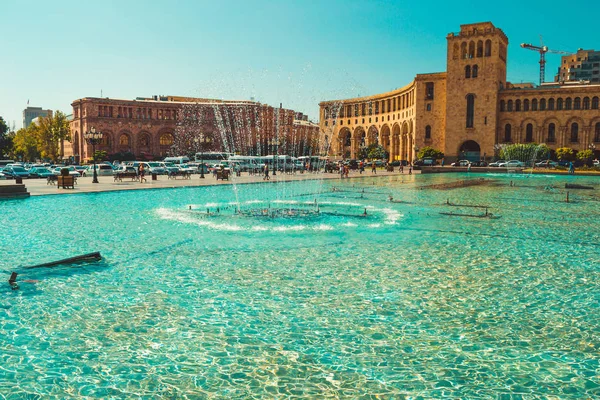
x=152 y=127
x=466 y=111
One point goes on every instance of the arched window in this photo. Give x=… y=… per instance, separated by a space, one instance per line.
x=480 y=49
x=509 y=105
x=471 y=49
x=577 y=103
x=550 y=104
x=105 y=140
x=463 y=50
x=597 y=133
x=574 y=132
x=507 y=133
x=455 y=51
x=348 y=140
x=529 y=133
x=428 y=132
x=551 y=133
x=488 y=48
x=518 y=105
x=468 y=71
x=586 y=103
x=526 y=105
x=559 y=104
x=502 y=105
x=595 y=103
x=144 y=140
x=124 y=140
x=470 y=110
x=534 y=105
x=568 y=103
x=166 y=139
x=542 y=104
x=475 y=71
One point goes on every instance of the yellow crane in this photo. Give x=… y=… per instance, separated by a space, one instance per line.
x=542 y=50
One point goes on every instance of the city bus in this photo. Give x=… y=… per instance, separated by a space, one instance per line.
x=212 y=157
x=284 y=162
x=312 y=163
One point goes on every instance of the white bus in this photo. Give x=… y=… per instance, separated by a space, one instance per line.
x=284 y=162
x=313 y=163
x=246 y=163
x=177 y=160
x=212 y=157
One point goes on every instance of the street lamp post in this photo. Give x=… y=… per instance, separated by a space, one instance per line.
x=497 y=149
x=274 y=143
x=92 y=137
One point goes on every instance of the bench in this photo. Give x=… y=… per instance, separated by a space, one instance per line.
x=119 y=176
x=66 y=182
x=183 y=174
x=223 y=174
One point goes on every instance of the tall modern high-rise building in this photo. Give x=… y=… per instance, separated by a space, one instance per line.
x=581 y=66
x=33 y=112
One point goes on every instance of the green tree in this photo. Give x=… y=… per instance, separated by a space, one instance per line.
x=51 y=131
x=5 y=139
x=25 y=144
x=430 y=152
x=374 y=152
x=565 y=154
x=524 y=152
x=101 y=155
x=585 y=154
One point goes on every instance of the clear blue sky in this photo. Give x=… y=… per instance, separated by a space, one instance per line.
x=294 y=52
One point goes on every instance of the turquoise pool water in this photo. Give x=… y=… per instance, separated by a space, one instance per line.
x=404 y=302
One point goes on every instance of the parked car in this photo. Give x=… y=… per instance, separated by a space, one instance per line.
x=189 y=169
x=480 y=163
x=547 y=164
x=81 y=169
x=15 y=172
x=40 y=172
x=512 y=164
x=496 y=163
x=596 y=163
x=461 y=163
x=72 y=171
x=101 y=170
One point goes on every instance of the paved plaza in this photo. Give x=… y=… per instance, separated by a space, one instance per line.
x=38 y=187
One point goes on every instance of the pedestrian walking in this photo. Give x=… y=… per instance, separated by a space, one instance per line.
x=373 y=168
x=266 y=171
x=410 y=169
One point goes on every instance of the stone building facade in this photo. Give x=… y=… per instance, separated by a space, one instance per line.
x=166 y=125
x=466 y=112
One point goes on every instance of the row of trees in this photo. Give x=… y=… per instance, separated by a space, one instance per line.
x=37 y=141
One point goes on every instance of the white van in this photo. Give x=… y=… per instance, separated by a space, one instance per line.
x=177 y=160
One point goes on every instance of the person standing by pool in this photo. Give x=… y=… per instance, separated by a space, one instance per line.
x=142 y=173
x=571 y=168
x=373 y=168
x=266 y=170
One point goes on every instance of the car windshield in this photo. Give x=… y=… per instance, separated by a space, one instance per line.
x=18 y=169
x=153 y=164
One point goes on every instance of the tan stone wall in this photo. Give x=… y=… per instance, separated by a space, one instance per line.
x=388 y=118
x=482 y=45
x=431 y=111
x=580 y=111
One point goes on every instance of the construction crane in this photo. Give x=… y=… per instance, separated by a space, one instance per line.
x=542 y=50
